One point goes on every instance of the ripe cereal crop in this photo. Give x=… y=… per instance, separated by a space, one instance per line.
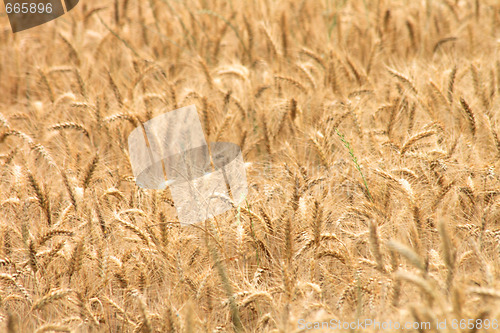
x=370 y=132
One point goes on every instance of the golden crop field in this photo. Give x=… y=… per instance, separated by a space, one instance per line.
x=370 y=132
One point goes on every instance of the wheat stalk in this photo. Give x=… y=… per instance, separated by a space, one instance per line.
x=41 y=196
x=52 y=296
x=415 y=138
x=70 y=125
x=470 y=116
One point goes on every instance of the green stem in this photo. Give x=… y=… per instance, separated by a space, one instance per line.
x=355 y=160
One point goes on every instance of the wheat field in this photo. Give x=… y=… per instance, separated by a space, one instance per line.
x=370 y=132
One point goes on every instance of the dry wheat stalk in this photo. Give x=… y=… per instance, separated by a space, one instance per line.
x=403 y=79
x=70 y=125
x=411 y=141
x=91 y=167
x=41 y=196
x=470 y=115
x=451 y=84
x=408 y=253
x=306 y=236
x=51 y=297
